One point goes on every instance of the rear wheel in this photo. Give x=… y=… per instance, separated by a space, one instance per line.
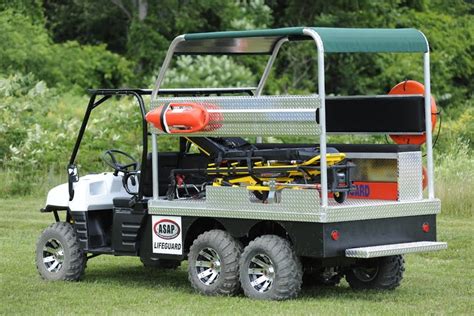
x=213 y=262
x=269 y=269
x=58 y=254
x=383 y=273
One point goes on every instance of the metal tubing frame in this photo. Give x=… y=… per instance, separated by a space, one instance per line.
x=106 y=95
x=322 y=114
x=268 y=67
x=154 y=138
x=276 y=48
x=178 y=91
x=429 y=139
x=322 y=110
x=159 y=81
x=428 y=122
x=266 y=72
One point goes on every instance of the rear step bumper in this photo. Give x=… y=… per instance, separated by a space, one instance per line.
x=395 y=249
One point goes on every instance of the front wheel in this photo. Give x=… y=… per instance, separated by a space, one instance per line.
x=384 y=273
x=58 y=254
x=270 y=269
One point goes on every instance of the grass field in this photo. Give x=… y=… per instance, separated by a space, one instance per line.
x=435 y=283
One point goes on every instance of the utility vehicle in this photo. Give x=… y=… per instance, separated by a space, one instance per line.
x=262 y=217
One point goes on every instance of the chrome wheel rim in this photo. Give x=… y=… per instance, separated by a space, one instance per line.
x=208 y=266
x=365 y=274
x=261 y=272
x=53 y=255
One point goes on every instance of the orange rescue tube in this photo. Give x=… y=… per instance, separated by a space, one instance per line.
x=175 y=118
x=413 y=87
x=215 y=118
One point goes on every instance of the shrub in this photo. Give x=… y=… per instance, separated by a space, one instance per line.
x=208 y=71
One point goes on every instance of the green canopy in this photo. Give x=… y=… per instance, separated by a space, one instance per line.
x=335 y=40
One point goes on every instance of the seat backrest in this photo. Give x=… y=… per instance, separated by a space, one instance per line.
x=167 y=161
x=392 y=114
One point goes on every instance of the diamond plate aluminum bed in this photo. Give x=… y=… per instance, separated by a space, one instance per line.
x=295 y=205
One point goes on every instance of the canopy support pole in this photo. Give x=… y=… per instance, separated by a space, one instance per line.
x=268 y=68
x=154 y=138
x=322 y=114
x=266 y=72
x=428 y=127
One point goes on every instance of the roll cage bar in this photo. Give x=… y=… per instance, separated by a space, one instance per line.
x=327 y=40
x=106 y=94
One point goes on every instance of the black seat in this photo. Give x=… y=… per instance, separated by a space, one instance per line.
x=168 y=161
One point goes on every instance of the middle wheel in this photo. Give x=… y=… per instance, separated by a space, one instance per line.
x=214 y=263
x=270 y=270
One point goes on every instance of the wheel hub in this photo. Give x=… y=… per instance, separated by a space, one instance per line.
x=365 y=274
x=208 y=266
x=53 y=255
x=261 y=272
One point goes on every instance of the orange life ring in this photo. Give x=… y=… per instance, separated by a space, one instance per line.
x=175 y=118
x=413 y=87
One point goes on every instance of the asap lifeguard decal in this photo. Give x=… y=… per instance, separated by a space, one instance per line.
x=362 y=190
x=167 y=235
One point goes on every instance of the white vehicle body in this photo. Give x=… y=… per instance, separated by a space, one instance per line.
x=91 y=192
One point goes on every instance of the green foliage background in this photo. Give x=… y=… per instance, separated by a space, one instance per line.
x=52 y=51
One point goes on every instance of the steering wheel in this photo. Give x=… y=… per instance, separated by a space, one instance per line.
x=110 y=158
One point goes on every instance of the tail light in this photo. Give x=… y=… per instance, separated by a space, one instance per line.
x=425 y=227
x=335 y=235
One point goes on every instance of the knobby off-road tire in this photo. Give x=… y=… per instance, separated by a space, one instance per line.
x=383 y=273
x=162 y=264
x=58 y=254
x=270 y=269
x=213 y=261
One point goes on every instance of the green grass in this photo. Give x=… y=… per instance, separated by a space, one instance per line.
x=434 y=283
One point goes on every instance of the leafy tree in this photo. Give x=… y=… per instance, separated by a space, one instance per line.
x=27 y=48
x=30 y=8
x=87 y=22
x=448 y=26
x=142 y=29
x=208 y=71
